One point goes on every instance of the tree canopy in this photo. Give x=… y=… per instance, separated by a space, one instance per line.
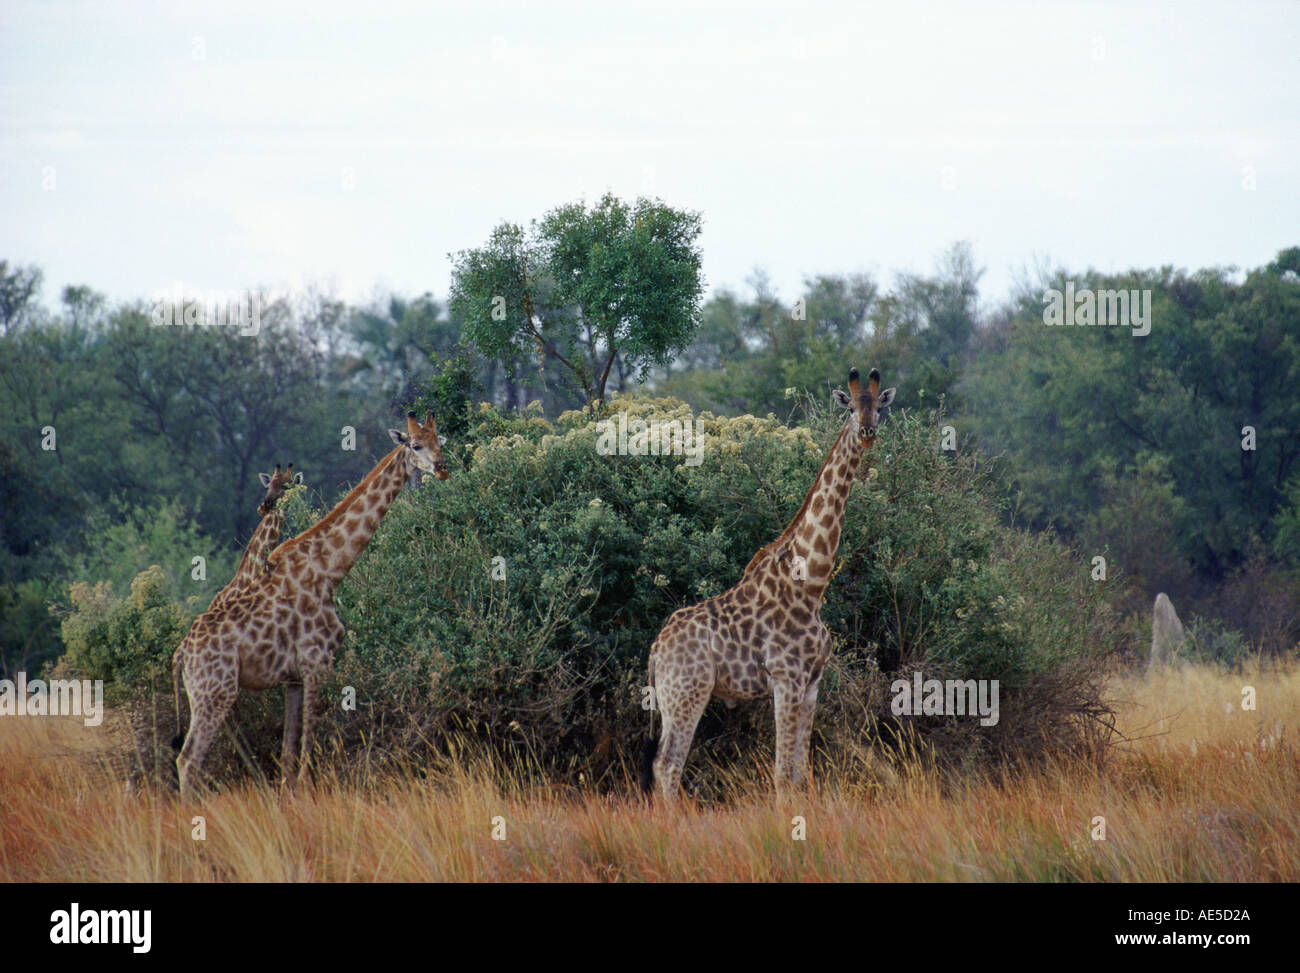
x=586 y=287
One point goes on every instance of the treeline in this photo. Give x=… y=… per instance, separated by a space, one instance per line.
x=1173 y=454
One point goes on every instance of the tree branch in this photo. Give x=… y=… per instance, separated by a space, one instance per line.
x=550 y=349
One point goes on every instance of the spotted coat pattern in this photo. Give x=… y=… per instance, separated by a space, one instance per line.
x=765 y=636
x=280 y=627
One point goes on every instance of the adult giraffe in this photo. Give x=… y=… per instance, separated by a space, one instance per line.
x=765 y=635
x=281 y=629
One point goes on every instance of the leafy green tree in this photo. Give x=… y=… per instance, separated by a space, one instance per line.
x=933 y=320
x=398 y=340
x=839 y=305
x=84 y=307
x=584 y=287
x=450 y=393
x=19 y=287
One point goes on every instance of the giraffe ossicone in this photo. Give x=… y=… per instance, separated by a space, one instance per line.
x=279 y=627
x=765 y=635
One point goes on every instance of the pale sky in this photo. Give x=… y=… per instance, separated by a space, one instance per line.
x=353 y=145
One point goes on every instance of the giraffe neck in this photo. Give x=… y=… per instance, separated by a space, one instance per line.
x=329 y=548
x=264 y=539
x=814 y=534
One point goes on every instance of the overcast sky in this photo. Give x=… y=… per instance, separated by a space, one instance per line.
x=355 y=144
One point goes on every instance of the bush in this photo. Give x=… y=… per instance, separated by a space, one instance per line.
x=118 y=543
x=128 y=642
x=122 y=540
x=1211 y=642
x=597 y=551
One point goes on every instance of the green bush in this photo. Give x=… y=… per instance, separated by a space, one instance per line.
x=1212 y=642
x=598 y=551
x=122 y=540
x=126 y=642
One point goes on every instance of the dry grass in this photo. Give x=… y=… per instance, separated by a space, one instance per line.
x=1202 y=791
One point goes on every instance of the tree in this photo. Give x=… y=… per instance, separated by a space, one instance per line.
x=221 y=407
x=18 y=290
x=1206 y=398
x=397 y=341
x=935 y=319
x=839 y=306
x=751 y=351
x=584 y=288
x=83 y=307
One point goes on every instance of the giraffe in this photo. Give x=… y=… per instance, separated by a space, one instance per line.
x=765 y=635
x=281 y=628
x=265 y=537
x=269 y=529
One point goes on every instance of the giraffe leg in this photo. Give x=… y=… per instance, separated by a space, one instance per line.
x=315 y=662
x=207 y=712
x=293 y=709
x=310 y=689
x=803 y=739
x=681 y=704
x=788 y=701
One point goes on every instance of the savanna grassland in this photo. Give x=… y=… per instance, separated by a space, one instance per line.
x=1199 y=790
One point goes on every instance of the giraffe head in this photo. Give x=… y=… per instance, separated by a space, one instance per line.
x=865 y=404
x=276 y=483
x=423 y=446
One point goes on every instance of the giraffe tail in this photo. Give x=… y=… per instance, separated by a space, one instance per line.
x=178 y=740
x=651 y=746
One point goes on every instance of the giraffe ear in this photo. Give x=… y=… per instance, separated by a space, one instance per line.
x=297 y=478
x=399 y=437
x=886 y=397
x=442 y=440
x=264 y=479
x=840 y=396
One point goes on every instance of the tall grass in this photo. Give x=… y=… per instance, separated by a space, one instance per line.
x=1200 y=790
